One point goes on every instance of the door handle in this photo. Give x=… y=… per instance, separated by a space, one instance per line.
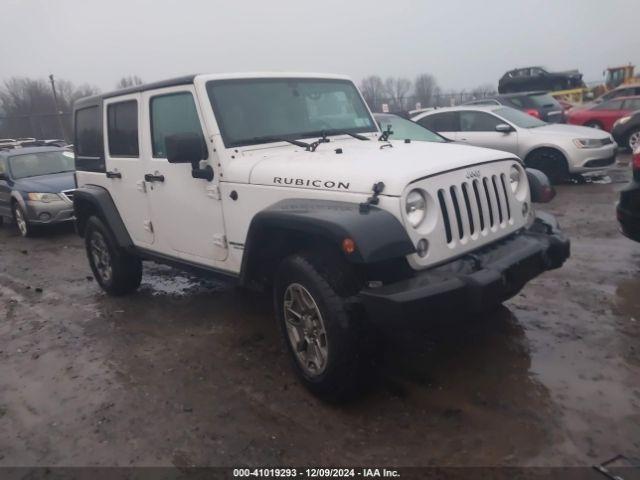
x=111 y=174
x=149 y=177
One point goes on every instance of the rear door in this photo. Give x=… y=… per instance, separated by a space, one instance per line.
x=126 y=167
x=479 y=129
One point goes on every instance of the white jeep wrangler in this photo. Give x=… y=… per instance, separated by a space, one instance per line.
x=284 y=181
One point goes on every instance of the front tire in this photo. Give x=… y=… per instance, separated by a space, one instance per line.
x=117 y=272
x=321 y=335
x=551 y=162
x=633 y=140
x=20 y=217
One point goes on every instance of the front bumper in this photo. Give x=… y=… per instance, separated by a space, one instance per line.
x=590 y=159
x=628 y=211
x=48 y=213
x=474 y=282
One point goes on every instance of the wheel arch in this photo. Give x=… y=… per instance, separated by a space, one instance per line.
x=296 y=225
x=541 y=147
x=91 y=200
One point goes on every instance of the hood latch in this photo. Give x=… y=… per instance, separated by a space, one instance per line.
x=377 y=188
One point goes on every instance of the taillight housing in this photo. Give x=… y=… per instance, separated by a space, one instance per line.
x=533 y=112
x=636 y=164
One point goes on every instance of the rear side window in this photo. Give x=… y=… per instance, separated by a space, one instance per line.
x=440 y=122
x=87 y=142
x=609 y=105
x=122 y=129
x=544 y=100
x=171 y=114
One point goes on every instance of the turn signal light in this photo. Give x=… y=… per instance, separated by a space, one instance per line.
x=533 y=112
x=348 y=246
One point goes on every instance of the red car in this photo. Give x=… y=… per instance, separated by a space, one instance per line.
x=603 y=115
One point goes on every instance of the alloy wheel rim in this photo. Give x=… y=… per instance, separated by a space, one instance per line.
x=101 y=256
x=21 y=222
x=305 y=330
x=634 y=140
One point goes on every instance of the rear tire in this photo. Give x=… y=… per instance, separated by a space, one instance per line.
x=117 y=271
x=20 y=218
x=551 y=162
x=324 y=340
x=633 y=140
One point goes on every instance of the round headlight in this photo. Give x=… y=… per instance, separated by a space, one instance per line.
x=514 y=177
x=416 y=207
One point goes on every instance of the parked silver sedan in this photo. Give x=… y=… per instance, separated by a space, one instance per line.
x=558 y=150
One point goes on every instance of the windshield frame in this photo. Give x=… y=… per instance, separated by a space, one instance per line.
x=251 y=142
x=61 y=152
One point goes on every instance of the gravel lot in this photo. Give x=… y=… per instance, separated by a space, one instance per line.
x=188 y=373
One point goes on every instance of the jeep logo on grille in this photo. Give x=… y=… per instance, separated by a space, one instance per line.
x=473 y=174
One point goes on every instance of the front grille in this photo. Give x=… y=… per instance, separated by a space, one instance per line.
x=474 y=207
x=68 y=194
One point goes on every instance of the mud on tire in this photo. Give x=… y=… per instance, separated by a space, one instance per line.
x=117 y=272
x=340 y=377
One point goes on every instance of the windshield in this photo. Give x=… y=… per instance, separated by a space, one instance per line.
x=44 y=163
x=520 y=119
x=403 y=129
x=253 y=111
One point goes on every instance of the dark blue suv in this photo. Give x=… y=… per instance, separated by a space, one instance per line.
x=36 y=186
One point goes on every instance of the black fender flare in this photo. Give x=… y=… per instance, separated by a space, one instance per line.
x=94 y=198
x=377 y=234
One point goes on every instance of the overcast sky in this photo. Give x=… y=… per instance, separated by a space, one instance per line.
x=464 y=43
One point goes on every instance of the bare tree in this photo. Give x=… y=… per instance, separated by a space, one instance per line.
x=372 y=90
x=28 y=107
x=129 y=81
x=424 y=89
x=485 y=90
x=397 y=90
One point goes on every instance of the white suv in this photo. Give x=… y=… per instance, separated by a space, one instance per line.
x=284 y=181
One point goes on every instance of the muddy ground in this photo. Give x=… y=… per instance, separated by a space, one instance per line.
x=188 y=373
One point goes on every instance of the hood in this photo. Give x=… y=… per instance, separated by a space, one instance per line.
x=573 y=131
x=54 y=183
x=361 y=164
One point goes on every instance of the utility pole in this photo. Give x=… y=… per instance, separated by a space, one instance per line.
x=55 y=102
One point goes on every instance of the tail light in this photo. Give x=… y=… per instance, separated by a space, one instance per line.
x=533 y=112
x=636 y=164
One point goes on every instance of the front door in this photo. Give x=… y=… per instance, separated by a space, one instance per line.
x=479 y=129
x=187 y=211
x=126 y=167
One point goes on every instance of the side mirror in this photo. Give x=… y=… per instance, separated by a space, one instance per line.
x=184 y=148
x=188 y=148
x=540 y=187
x=504 y=128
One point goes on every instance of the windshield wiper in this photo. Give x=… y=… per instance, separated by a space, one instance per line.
x=351 y=134
x=257 y=140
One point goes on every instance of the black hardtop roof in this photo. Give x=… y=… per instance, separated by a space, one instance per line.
x=95 y=99
x=26 y=150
